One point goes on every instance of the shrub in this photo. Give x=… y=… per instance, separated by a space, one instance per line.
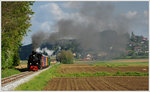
x=65 y=57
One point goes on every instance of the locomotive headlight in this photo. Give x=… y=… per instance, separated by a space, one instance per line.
x=36 y=63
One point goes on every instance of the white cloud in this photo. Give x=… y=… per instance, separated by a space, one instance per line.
x=146 y=17
x=45 y=26
x=146 y=13
x=74 y=5
x=56 y=10
x=53 y=9
x=45 y=7
x=131 y=14
x=58 y=13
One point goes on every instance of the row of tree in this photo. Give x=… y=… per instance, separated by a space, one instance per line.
x=16 y=18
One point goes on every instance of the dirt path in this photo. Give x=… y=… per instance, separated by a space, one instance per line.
x=108 y=83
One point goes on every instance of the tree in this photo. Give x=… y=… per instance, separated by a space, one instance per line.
x=133 y=38
x=131 y=53
x=65 y=57
x=16 y=18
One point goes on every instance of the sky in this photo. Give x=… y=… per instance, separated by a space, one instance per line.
x=48 y=13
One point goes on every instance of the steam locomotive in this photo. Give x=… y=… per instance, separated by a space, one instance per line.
x=37 y=61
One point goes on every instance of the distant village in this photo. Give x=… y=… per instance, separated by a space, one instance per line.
x=138 y=46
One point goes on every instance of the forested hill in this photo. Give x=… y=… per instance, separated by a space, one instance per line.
x=25 y=51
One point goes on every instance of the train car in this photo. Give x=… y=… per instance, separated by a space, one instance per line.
x=38 y=61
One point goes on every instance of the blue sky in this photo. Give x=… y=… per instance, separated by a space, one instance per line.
x=48 y=13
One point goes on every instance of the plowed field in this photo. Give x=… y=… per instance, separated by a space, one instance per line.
x=101 y=83
x=108 y=83
x=78 y=68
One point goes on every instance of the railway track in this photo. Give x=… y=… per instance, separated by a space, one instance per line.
x=12 y=82
x=7 y=80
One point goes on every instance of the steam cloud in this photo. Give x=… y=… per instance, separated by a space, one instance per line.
x=95 y=27
x=45 y=50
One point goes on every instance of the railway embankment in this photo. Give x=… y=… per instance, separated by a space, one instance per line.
x=10 y=83
x=40 y=81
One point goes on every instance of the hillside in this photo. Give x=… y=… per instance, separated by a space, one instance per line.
x=25 y=51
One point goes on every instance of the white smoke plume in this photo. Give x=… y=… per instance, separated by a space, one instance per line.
x=45 y=51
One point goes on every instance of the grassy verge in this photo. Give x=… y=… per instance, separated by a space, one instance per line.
x=102 y=74
x=13 y=71
x=96 y=62
x=116 y=64
x=9 y=72
x=39 y=81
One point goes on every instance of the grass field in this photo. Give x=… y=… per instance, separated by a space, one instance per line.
x=117 y=64
x=85 y=74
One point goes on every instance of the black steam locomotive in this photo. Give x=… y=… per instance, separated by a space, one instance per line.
x=37 y=61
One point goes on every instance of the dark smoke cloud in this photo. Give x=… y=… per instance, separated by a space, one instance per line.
x=37 y=39
x=98 y=29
